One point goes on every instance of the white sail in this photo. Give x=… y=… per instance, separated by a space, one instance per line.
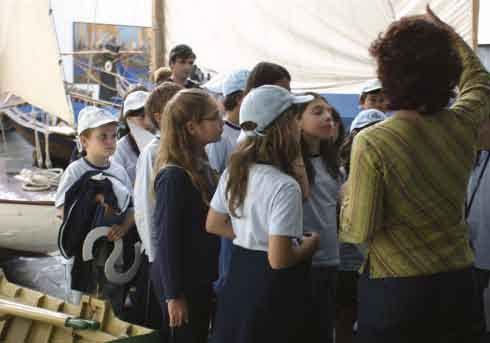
x=30 y=64
x=323 y=43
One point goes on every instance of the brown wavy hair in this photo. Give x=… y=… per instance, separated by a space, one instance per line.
x=266 y=73
x=158 y=99
x=418 y=65
x=278 y=148
x=329 y=150
x=178 y=147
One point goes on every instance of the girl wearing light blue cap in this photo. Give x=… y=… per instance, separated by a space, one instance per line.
x=258 y=204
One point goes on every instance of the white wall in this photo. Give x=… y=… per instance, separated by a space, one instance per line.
x=116 y=12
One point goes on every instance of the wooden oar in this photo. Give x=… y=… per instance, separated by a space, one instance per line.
x=46 y=316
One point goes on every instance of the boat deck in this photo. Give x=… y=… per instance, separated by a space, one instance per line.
x=15 y=155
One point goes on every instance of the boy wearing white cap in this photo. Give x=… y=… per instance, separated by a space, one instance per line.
x=97 y=132
x=140 y=128
x=258 y=204
x=372 y=96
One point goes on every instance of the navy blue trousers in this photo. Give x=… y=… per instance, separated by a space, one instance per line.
x=443 y=307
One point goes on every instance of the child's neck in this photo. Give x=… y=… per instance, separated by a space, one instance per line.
x=233 y=116
x=313 y=144
x=98 y=161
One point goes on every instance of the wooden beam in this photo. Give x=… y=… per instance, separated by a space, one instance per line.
x=476 y=15
x=158 y=35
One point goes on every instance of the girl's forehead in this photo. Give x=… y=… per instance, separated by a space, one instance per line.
x=319 y=102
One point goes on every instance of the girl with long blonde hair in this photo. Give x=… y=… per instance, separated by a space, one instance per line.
x=186 y=256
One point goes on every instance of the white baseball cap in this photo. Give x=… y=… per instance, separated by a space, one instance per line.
x=91 y=117
x=371 y=86
x=235 y=81
x=135 y=101
x=266 y=103
x=367 y=117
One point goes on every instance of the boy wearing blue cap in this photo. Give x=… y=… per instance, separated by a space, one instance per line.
x=219 y=152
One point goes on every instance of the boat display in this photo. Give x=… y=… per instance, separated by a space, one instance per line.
x=33 y=317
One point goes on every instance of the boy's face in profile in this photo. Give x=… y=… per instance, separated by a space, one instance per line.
x=101 y=141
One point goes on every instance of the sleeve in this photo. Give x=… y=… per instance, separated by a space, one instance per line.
x=362 y=207
x=286 y=211
x=218 y=202
x=217 y=155
x=170 y=189
x=67 y=180
x=473 y=102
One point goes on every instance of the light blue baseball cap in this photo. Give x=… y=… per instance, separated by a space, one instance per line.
x=367 y=117
x=235 y=81
x=265 y=104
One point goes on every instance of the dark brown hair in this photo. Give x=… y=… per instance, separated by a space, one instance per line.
x=418 y=65
x=266 y=73
x=329 y=150
x=182 y=51
x=231 y=100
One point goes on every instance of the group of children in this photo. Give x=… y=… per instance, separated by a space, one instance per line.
x=236 y=212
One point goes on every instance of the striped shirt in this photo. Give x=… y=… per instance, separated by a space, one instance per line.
x=408 y=180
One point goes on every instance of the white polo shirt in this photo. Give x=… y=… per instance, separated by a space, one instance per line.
x=272 y=206
x=144 y=198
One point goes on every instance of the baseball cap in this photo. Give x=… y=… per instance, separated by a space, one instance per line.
x=371 y=86
x=367 y=117
x=235 y=81
x=215 y=85
x=135 y=101
x=266 y=103
x=91 y=117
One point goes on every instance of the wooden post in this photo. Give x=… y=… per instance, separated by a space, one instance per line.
x=158 y=36
x=476 y=13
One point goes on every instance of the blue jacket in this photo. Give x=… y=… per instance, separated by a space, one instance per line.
x=186 y=256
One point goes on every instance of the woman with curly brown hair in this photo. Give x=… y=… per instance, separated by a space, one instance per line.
x=405 y=193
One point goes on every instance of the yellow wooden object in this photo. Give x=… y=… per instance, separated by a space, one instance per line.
x=42 y=320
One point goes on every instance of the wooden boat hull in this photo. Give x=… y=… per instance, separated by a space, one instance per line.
x=60 y=146
x=36 y=325
x=28 y=227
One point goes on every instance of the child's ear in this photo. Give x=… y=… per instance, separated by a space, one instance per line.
x=83 y=141
x=191 y=127
x=157 y=116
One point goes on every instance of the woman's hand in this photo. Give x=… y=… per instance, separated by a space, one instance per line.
x=433 y=18
x=177 y=312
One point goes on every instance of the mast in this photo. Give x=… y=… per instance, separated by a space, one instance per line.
x=158 y=36
x=476 y=15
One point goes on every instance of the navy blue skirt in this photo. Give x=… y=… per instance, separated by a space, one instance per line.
x=260 y=304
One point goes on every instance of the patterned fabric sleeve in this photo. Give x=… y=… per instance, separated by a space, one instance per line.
x=362 y=208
